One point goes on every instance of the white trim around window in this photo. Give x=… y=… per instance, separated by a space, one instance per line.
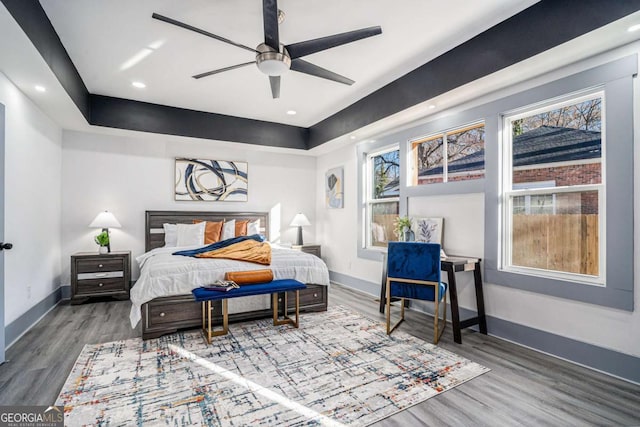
x=509 y=191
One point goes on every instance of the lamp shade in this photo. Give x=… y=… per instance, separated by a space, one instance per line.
x=300 y=221
x=105 y=220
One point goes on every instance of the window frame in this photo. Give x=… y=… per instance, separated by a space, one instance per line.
x=369 y=200
x=415 y=142
x=508 y=193
x=401 y=139
x=618 y=78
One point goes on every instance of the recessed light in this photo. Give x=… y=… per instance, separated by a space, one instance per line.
x=139 y=85
x=40 y=88
x=292 y=112
x=353 y=137
x=432 y=106
x=633 y=28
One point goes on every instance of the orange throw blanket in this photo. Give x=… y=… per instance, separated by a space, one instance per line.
x=250 y=277
x=247 y=250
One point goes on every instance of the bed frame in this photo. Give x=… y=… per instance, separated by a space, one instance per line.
x=165 y=315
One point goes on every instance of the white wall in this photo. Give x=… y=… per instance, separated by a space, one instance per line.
x=132 y=174
x=464 y=234
x=338 y=228
x=33 y=158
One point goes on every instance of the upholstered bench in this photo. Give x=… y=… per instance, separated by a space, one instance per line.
x=274 y=288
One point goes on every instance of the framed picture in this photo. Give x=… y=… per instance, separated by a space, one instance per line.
x=428 y=230
x=211 y=180
x=334 y=188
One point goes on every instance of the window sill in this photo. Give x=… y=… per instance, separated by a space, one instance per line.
x=579 y=279
x=373 y=254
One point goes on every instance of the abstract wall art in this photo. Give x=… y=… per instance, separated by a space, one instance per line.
x=334 y=187
x=211 y=180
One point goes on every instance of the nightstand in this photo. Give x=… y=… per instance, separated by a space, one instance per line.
x=310 y=249
x=100 y=275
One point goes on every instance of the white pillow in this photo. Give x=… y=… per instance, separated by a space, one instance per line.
x=253 y=227
x=170 y=235
x=228 y=230
x=191 y=234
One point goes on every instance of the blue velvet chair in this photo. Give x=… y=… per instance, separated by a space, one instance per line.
x=413 y=272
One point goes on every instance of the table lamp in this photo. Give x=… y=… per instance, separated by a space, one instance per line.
x=105 y=220
x=299 y=221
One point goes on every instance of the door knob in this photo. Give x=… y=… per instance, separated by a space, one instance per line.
x=5 y=246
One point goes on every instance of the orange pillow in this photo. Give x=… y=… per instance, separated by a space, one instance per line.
x=250 y=277
x=241 y=228
x=212 y=230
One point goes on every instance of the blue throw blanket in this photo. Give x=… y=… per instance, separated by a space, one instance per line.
x=219 y=245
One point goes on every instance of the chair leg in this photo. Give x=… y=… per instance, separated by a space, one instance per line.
x=437 y=332
x=388 y=310
x=436 y=314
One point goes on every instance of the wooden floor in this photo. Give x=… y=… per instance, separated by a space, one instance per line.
x=523 y=388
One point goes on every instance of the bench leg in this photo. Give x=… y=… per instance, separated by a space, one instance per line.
x=207 y=326
x=286 y=320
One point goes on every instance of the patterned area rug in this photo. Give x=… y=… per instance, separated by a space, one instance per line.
x=338 y=368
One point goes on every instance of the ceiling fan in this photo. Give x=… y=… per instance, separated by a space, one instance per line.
x=273 y=58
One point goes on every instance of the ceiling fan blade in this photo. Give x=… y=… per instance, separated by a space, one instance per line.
x=275 y=86
x=233 y=67
x=296 y=50
x=199 y=31
x=308 y=68
x=270 y=19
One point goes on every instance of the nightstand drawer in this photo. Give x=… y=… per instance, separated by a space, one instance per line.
x=92 y=265
x=103 y=275
x=100 y=286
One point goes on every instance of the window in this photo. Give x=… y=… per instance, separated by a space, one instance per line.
x=464 y=160
x=531 y=204
x=553 y=190
x=382 y=196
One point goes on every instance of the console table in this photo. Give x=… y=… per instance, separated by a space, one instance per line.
x=452 y=265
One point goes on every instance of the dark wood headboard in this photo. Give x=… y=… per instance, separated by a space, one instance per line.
x=154 y=232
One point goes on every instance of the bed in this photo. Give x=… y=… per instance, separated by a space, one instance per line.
x=163 y=309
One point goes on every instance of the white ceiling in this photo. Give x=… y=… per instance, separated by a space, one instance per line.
x=104 y=38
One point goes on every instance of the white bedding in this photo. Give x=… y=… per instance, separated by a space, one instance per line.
x=163 y=274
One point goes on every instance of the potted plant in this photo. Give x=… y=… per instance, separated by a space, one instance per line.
x=403 y=229
x=102 y=239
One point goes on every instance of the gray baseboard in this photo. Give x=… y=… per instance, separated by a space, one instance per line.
x=592 y=356
x=65 y=291
x=22 y=324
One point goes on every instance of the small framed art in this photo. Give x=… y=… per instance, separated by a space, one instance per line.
x=334 y=188
x=428 y=230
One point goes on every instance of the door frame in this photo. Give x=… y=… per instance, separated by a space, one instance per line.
x=2 y=154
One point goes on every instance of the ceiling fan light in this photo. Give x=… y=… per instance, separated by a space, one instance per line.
x=273 y=63
x=273 y=67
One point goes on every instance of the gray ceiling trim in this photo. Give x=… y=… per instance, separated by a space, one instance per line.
x=534 y=30
x=142 y=116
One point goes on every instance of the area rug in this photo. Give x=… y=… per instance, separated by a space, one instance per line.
x=338 y=368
